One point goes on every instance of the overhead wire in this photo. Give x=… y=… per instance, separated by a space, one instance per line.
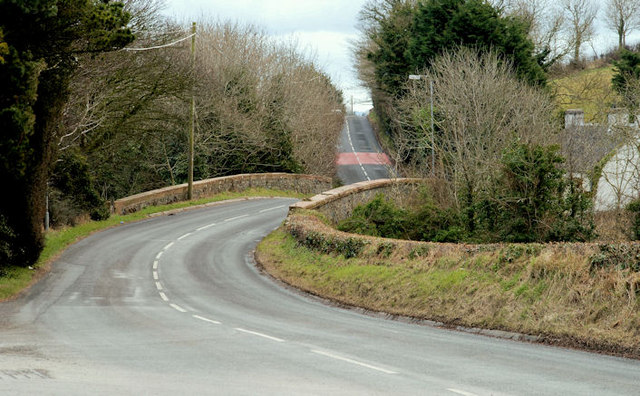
x=160 y=46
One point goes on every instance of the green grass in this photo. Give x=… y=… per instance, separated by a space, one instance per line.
x=380 y=284
x=589 y=90
x=15 y=279
x=535 y=289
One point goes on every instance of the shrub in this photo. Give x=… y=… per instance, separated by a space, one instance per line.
x=74 y=193
x=617 y=256
x=634 y=208
x=536 y=203
x=381 y=218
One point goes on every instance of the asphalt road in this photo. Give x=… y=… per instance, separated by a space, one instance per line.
x=360 y=156
x=175 y=305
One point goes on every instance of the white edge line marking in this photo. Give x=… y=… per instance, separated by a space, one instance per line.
x=206 y=320
x=155 y=275
x=164 y=296
x=177 y=308
x=155 y=264
x=167 y=246
x=159 y=255
x=274 y=208
x=237 y=217
x=260 y=335
x=184 y=236
x=461 y=392
x=158 y=286
x=344 y=359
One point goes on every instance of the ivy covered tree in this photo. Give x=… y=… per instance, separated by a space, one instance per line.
x=440 y=25
x=536 y=202
x=404 y=36
x=391 y=35
x=41 y=39
x=626 y=78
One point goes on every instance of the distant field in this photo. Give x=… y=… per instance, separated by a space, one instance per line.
x=589 y=90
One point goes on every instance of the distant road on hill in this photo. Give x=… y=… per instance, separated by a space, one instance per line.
x=360 y=156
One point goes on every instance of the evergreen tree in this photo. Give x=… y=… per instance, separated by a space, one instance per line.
x=447 y=24
x=626 y=77
x=42 y=38
x=391 y=37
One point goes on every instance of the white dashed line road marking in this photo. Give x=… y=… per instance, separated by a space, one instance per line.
x=205 y=227
x=236 y=218
x=461 y=392
x=206 y=320
x=355 y=153
x=177 y=308
x=344 y=359
x=260 y=335
x=274 y=208
x=184 y=236
x=164 y=297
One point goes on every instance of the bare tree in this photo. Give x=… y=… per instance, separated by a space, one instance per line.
x=623 y=16
x=579 y=15
x=263 y=104
x=481 y=108
x=545 y=21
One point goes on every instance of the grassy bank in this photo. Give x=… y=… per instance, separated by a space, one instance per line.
x=15 y=279
x=589 y=90
x=550 y=291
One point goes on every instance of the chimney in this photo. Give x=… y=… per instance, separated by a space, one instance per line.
x=573 y=118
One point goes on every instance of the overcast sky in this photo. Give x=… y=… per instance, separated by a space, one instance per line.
x=322 y=27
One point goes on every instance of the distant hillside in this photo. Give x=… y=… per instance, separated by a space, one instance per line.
x=589 y=90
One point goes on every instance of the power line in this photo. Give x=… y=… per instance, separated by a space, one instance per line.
x=160 y=46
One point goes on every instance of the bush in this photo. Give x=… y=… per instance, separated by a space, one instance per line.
x=431 y=223
x=73 y=194
x=530 y=200
x=7 y=236
x=634 y=208
x=536 y=202
x=381 y=218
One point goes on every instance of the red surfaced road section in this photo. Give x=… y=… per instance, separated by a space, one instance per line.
x=365 y=159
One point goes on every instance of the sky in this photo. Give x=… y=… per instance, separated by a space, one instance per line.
x=323 y=28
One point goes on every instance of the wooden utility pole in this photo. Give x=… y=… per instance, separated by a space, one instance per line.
x=433 y=133
x=192 y=115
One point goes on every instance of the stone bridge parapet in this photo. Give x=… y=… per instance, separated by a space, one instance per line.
x=305 y=184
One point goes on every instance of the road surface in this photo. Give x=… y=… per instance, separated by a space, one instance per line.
x=174 y=305
x=360 y=156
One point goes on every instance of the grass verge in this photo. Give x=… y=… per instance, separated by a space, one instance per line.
x=543 y=290
x=13 y=280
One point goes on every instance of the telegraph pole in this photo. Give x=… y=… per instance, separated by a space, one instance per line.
x=192 y=115
x=433 y=133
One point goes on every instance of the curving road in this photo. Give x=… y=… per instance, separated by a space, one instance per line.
x=360 y=156
x=175 y=305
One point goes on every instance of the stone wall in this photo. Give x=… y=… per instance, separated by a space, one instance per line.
x=338 y=204
x=305 y=184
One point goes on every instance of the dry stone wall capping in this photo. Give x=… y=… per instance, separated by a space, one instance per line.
x=305 y=184
x=339 y=203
